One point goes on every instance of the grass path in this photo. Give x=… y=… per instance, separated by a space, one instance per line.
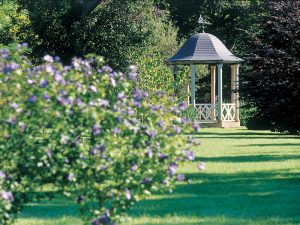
x=251 y=177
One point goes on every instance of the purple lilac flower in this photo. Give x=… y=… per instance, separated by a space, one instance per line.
x=29 y=81
x=2 y=175
x=100 y=148
x=32 y=98
x=138 y=94
x=165 y=182
x=180 y=177
x=70 y=177
x=14 y=105
x=133 y=68
x=4 y=53
x=162 y=156
x=190 y=155
x=107 y=69
x=127 y=194
x=121 y=95
x=150 y=153
x=102 y=220
x=119 y=119
x=182 y=106
x=64 y=139
x=134 y=167
x=7 y=195
x=96 y=130
x=184 y=120
x=49 y=68
x=48 y=58
x=172 y=168
x=132 y=76
x=201 y=166
x=151 y=133
x=196 y=127
x=116 y=130
x=104 y=103
x=130 y=112
x=93 y=88
x=22 y=126
x=161 y=123
x=177 y=129
x=43 y=83
x=24 y=45
x=58 y=77
x=103 y=168
x=49 y=153
x=11 y=120
x=147 y=180
x=46 y=96
x=80 y=199
x=136 y=104
x=79 y=103
x=112 y=82
x=10 y=67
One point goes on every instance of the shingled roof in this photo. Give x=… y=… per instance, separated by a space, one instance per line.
x=203 y=48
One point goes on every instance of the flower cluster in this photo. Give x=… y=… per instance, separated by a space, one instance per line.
x=126 y=155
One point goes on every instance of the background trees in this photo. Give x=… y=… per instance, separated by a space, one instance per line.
x=272 y=84
x=142 y=32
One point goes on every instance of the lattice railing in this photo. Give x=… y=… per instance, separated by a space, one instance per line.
x=228 y=112
x=205 y=112
x=209 y=112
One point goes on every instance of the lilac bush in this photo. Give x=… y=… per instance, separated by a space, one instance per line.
x=79 y=129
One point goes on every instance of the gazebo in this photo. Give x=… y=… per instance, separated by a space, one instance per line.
x=204 y=48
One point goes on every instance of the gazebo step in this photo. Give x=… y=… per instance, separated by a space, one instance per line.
x=222 y=124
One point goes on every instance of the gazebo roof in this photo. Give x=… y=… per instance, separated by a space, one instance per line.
x=203 y=48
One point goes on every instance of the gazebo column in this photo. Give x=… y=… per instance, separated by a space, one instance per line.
x=213 y=91
x=220 y=94
x=237 y=101
x=233 y=83
x=187 y=88
x=193 y=84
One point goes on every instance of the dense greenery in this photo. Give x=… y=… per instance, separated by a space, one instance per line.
x=117 y=30
x=272 y=85
x=82 y=130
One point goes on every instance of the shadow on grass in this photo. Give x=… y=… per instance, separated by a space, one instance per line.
x=243 y=196
x=56 y=208
x=245 y=135
x=249 y=158
x=271 y=145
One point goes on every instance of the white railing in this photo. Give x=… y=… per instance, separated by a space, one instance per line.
x=209 y=112
x=205 y=112
x=228 y=112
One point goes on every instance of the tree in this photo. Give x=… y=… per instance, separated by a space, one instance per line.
x=272 y=85
x=112 y=29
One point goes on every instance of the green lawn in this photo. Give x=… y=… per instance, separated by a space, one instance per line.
x=251 y=177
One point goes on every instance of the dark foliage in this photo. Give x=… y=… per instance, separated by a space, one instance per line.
x=272 y=85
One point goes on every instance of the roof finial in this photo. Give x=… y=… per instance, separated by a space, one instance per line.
x=201 y=21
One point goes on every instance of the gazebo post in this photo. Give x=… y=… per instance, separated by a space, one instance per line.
x=220 y=94
x=233 y=83
x=193 y=84
x=213 y=91
x=237 y=101
x=187 y=89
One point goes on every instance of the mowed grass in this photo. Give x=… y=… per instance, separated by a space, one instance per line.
x=251 y=177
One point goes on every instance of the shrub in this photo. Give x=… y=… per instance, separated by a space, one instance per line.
x=94 y=147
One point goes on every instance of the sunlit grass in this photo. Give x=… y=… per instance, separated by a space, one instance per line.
x=251 y=177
